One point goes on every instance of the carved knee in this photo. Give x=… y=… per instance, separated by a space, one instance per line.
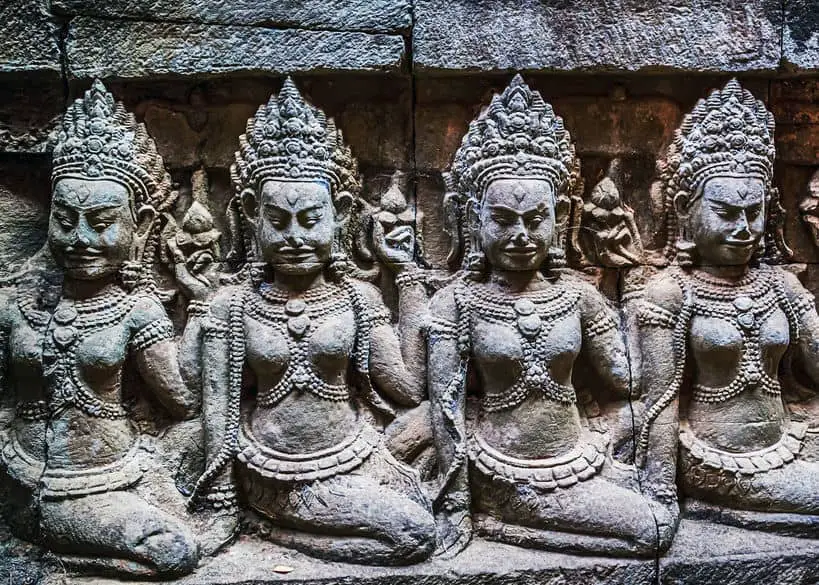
x=172 y=552
x=415 y=539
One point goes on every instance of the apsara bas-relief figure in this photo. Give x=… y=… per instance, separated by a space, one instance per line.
x=716 y=326
x=298 y=353
x=79 y=346
x=526 y=465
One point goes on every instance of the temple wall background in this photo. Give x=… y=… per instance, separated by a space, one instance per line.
x=402 y=80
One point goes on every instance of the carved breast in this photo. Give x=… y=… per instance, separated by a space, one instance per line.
x=100 y=356
x=498 y=351
x=717 y=346
x=329 y=343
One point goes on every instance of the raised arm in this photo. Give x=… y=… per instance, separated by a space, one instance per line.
x=603 y=342
x=398 y=362
x=804 y=308
x=447 y=372
x=662 y=325
x=156 y=354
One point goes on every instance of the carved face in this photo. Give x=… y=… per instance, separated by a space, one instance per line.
x=517 y=223
x=296 y=225
x=728 y=221
x=91 y=227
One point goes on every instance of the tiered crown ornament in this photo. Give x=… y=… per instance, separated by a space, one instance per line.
x=289 y=138
x=99 y=139
x=517 y=136
x=729 y=134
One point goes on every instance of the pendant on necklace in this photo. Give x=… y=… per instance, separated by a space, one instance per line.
x=297 y=322
x=529 y=322
x=745 y=315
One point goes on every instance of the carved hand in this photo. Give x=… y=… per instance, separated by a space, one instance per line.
x=396 y=248
x=196 y=275
x=454 y=532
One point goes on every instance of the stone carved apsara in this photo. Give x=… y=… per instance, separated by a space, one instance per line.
x=297 y=355
x=716 y=325
x=84 y=338
x=527 y=462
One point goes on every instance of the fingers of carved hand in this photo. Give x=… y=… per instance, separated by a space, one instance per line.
x=396 y=246
x=199 y=261
x=176 y=253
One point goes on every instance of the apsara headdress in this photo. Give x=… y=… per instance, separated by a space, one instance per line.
x=289 y=138
x=99 y=139
x=517 y=135
x=728 y=134
x=731 y=133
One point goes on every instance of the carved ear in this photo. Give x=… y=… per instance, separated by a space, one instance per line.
x=146 y=216
x=343 y=203
x=250 y=205
x=473 y=225
x=681 y=202
x=563 y=205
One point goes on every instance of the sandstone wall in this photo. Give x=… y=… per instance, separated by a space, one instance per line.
x=403 y=78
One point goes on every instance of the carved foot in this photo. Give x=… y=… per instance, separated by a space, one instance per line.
x=789 y=524
x=216 y=529
x=494 y=529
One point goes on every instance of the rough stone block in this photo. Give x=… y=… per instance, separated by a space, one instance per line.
x=429 y=195
x=712 y=553
x=361 y=15
x=28 y=39
x=28 y=113
x=800 y=39
x=24 y=197
x=126 y=49
x=614 y=35
x=793 y=181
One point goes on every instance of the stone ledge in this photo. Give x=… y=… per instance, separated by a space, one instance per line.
x=130 y=49
x=28 y=39
x=388 y=16
x=614 y=36
x=801 y=36
x=702 y=553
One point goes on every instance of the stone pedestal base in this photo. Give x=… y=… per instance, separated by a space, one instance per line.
x=703 y=554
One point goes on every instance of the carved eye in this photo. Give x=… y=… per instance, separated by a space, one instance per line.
x=63 y=220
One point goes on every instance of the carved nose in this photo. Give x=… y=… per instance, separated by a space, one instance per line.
x=742 y=230
x=521 y=238
x=296 y=240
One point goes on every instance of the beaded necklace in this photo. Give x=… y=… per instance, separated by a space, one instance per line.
x=745 y=305
x=294 y=319
x=72 y=322
x=534 y=316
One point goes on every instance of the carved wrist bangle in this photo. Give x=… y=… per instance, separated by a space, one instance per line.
x=198 y=308
x=410 y=277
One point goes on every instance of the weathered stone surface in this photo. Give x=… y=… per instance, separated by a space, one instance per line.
x=122 y=49
x=712 y=553
x=800 y=40
x=24 y=195
x=483 y=563
x=615 y=35
x=29 y=114
x=28 y=38
x=793 y=181
x=362 y=15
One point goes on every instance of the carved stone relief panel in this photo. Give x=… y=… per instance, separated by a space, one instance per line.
x=392 y=324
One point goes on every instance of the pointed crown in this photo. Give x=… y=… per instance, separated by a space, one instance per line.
x=98 y=139
x=730 y=133
x=518 y=134
x=289 y=138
